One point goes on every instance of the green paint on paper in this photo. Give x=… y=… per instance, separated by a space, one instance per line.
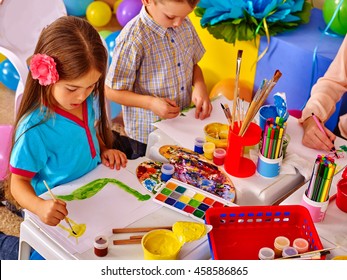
x=95 y=186
x=344 y=148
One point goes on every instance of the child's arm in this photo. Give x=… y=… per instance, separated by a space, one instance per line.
x=162 y=107
x=49 y=211
x=200 y=95
x=111 y=157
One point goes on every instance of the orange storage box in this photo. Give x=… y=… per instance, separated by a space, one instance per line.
x=239 y=232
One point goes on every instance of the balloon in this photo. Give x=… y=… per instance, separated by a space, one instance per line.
x=104 y=33
x=98 y=13
x=111 y=43
x=9 y=75
x=77 y=8
x=115 y=5
x=226 y=87
x=339 y=24
x=5 y=148
x=127 y=10
x=2 y=57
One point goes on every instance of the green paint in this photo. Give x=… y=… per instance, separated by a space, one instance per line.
x=95 y=186
x=166 y=191
x=344 y=148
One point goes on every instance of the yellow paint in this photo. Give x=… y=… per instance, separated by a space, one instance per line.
x=79 y=229
x=208 y=148
x=185 y=199
x=199 y=197
x=219 y=61
x=160 y=245
x=189 y=231
x=217 y=133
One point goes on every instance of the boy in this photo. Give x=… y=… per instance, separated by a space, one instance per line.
x=154 y=68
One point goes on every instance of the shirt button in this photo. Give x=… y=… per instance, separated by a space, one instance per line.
x=182 y=88
x=172 y=41
x=178 y=64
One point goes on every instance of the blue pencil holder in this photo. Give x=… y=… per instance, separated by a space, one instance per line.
x=266 y=112
x=268 y=168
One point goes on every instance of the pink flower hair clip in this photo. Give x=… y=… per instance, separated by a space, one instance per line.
x=43 y=68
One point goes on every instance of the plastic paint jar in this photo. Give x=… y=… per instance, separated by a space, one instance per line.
x=167 y=170
x=279 y=244
x=199 y=142
x=266 y=253
x=101 y=246
x=301 y=245
x=289 y=251
x=219 y=156
x=208 y=149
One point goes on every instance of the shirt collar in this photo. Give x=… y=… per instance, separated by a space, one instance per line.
x=148 y=20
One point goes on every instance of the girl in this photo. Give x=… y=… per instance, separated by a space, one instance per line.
x=55 y=137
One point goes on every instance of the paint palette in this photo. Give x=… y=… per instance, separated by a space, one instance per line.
x=188 y=200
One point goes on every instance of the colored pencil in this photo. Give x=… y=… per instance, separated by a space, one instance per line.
x=55 y=199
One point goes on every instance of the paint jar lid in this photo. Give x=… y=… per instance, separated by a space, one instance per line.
x=266 y=253
x=219 y=153
x=289 y=251
x=301 y=245
x=281 y=242
x=199 y=141
x=167 y=169
x=209 y=147
x=101 y=242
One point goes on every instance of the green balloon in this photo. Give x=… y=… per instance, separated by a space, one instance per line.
x=104 y=33
x=339 y=24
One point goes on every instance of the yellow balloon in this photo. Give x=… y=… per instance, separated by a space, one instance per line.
x=226 y=87
x=2 y=57
x=115 y=5
x=98 y=13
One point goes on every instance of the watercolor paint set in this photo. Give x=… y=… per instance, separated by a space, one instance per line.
x=188 y=200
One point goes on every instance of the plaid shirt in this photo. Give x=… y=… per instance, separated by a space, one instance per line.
x=152 y=60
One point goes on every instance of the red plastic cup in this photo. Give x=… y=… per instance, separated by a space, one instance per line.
x=341 y=195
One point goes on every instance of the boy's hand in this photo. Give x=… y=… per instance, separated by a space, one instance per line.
x=202 y=103
x=112 y=157
x=165 y=108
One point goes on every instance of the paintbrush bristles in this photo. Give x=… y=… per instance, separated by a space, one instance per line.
x=236 y=90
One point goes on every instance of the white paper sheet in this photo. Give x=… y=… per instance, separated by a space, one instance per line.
x=111 y=207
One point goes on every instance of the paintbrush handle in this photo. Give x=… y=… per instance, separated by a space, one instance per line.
x=139 y=229
x=126 y=241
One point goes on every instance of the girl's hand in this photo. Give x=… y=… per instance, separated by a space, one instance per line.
x=202 y=103
x=316 y=139
x=52 y=212
x=112 y=157
x=164 y=108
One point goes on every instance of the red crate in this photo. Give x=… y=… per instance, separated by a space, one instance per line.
x=239 y=232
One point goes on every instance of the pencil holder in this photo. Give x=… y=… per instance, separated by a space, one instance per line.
x=235 y=163
x=317 y=209
x=267 y=167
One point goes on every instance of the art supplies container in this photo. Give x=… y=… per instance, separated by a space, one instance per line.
x=240 y=232
x=101 y=246
x=167 y=170
x=160 y=244
x=301 y=245
x=266 y=112
x=286 y=141
x=280 y=243
x=317 y=209
x=267 y=167
x=219 y=156
x=235 y=163
x=217 y=133
x=341 y=195
x=266 y=253
x=209 y=148
x=199 y=142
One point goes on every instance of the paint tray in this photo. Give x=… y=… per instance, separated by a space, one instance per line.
x=239 y=232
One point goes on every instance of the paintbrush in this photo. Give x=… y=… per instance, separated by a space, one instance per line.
x=226 y=113
x=310 y=254
x=55 y=199
x=236 y=88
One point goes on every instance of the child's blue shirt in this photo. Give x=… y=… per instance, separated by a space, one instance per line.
x=58 y=150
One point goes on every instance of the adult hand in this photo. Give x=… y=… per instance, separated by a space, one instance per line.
x=314 y=138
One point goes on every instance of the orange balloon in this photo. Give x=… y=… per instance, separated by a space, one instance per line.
x=226 y=87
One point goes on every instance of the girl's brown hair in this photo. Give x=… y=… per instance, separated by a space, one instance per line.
x=77 y=48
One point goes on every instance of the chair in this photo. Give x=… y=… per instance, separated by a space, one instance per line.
x=18 y=37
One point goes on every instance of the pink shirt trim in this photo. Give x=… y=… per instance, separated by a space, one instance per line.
x=22 y=172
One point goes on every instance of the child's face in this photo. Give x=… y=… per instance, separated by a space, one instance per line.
x=70 y=94
x=168 y=13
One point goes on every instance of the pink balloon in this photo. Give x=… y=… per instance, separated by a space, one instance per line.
x=5 y=146
x=127 y=10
